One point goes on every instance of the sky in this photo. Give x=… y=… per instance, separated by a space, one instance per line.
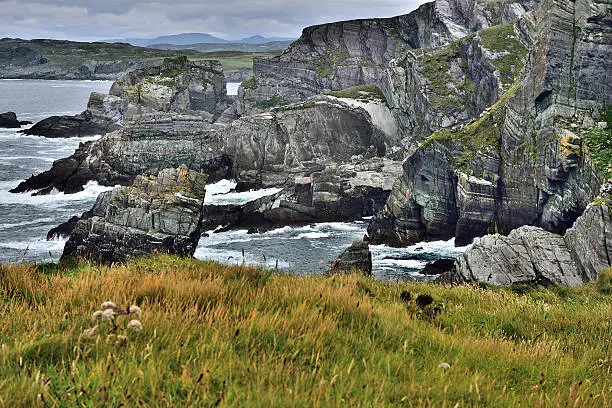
x=87 y=20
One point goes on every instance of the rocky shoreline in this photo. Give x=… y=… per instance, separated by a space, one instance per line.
x=439 y=125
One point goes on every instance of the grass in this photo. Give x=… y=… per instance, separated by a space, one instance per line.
x=502 y=40
x=599 y=143
x=275 y=100
x=325 y=63
x=217 y=335
x=361 y=92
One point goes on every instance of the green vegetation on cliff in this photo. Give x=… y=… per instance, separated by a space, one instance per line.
x=325 y=63
x=361 y=92
x=510 y=53
x=480 y=136
x=599 y=144
x=217 y=335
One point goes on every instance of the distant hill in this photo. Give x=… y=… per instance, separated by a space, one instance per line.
x=57 y=59
x=213 y=47
x=195 y=38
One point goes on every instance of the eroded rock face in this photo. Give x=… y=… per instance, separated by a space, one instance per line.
x=533 y=255
x=348 y=53
x=160 y=214
x=177 y=86
x=522 y=162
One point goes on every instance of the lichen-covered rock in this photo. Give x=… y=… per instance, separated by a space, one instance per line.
x=177 y=86
x=160 y=214
x=356 y=258
x=529 y=255
x=522 y=162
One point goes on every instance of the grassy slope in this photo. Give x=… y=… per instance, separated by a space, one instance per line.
x=228 y=336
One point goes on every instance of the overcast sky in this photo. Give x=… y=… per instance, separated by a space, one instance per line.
x=104 y=19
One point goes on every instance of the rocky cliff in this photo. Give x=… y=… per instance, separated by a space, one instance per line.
x=176 y=86
x=160 y=214
x=534 y=255
x=524 y=162
x=350 y=53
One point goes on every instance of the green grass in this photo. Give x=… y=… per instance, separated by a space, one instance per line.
x=274 y=101
x=361 y=92
x=228 y=336
x=325 y=63
x=599 y=144
x=502 y=39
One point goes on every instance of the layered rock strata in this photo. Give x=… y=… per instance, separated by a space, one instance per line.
x=533 y=255
x=523 y=162
x=177 y=86
x=160 y=214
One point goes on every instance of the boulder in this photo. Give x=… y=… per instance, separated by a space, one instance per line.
x=533 y=255
x=9 y=120
x=161 y=214
x=356 y=258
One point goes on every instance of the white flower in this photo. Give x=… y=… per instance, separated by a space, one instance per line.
x=91 y=332
x=135 y=325
x=108 y=305
x=97 y=316
x=444 y=366
x=135 y=310
x=107 y=315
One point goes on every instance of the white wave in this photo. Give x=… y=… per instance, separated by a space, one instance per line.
x=35 y=250
x=312 y=235
x=12 y=158
x=220 y=187
x=23 y=224
x=239 y=198
x=232 y=88
x=235 y=258
x=90 y=193
x=401 y=263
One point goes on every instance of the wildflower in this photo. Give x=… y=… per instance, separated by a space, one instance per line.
x=444 y=366
x=91 y=332
x=135 y=310
x=108 y=305
x=122 y=339
x=97 y=316
x=107 y=315
x=135 y=325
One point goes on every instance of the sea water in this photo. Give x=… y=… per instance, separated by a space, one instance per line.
x=25 y=219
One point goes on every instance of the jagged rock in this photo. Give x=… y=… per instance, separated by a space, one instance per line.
x=343 y=54
x=439 y=267
x=518 y=164
x=9 y=120
x=155 y=214
x=590 y=239
x=356 y=258
x=533 y=255
x=529 y=255
x=176 y=87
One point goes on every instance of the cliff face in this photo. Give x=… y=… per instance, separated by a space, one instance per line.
x=533 y=255
x=155 y=214
x=523 y=162
x=349 y=53
x=177 y=86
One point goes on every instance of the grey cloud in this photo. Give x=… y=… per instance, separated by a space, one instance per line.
x=88 y=20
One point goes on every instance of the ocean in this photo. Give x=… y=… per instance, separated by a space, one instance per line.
x=25 y=220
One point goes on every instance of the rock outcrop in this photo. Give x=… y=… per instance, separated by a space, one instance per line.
x=160 y=214
x=8 y=120
x=523 y=162
x=177 y=86
x=344 y=54
x=535 y=256
x=356 y=258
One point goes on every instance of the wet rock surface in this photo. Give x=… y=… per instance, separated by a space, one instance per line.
x=160 y=214
x=356 y=258
x=8 y=120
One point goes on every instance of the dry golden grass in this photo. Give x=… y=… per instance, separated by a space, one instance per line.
x=217 y=335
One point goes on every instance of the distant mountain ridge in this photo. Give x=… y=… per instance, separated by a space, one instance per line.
x=195 y=38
